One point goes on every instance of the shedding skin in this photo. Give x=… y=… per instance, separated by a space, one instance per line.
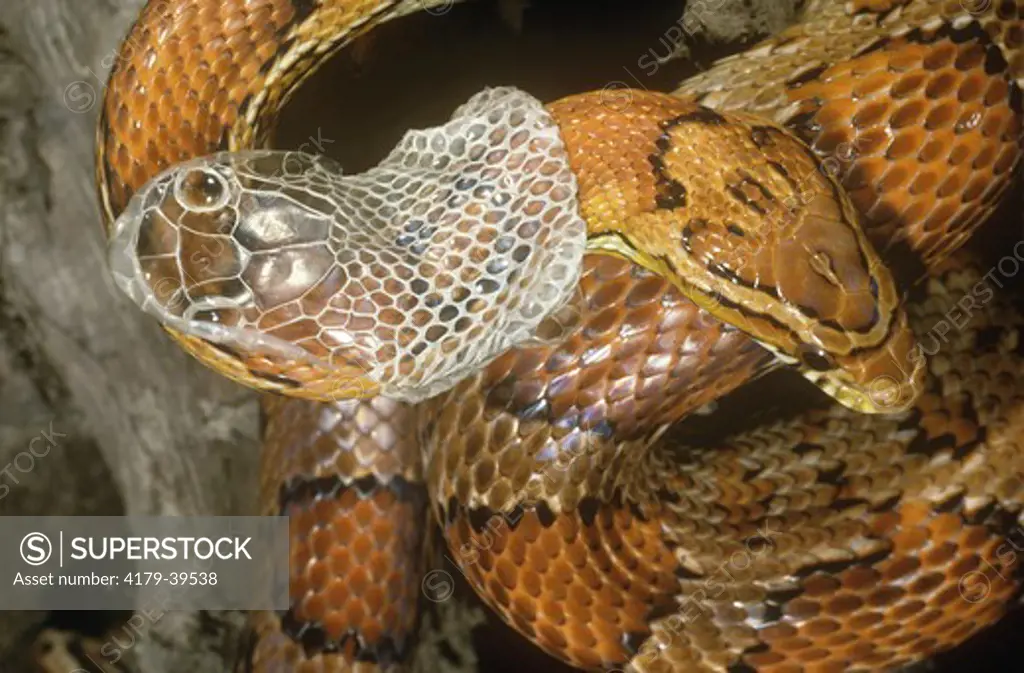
x=836 y=541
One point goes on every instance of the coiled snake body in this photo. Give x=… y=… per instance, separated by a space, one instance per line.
x=839 y=540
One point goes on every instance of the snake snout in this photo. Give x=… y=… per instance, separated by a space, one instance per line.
x=213 y=257
x=859 y=347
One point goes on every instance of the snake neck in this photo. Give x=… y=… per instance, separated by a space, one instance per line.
x=196 y=76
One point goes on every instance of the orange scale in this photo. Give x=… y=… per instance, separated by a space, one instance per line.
x=870 y=84
x=764 y=659
x=909 y=114
x=908 y=85
x=941 y=116
x=972 y=87
x=895 y=178
x=880 y=660
x=820 y=627
x=843 y=604
x=925 y=646
x=313 y=607
x=792 y=644
x=836 y=112
x=984 y=158
x=843 y=639
x=319 y=575
x=496 y=592
x=907 y=610
x=813 y=655
x=375 y=598
x=976 y=187
x=866 y=620
x=780 y=631
x=551 y=636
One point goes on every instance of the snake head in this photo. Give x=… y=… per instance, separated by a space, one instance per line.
x=230 y=267
x=282 y=273
x=784 y=257
x=740 y=215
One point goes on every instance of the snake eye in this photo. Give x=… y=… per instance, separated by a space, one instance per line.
x=201 y=190
x=816 y=358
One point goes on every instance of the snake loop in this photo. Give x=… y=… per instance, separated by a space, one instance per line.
x=730 y=227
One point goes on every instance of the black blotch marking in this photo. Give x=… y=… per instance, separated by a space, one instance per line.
x=772 y=612
x=544 y=514
x=303 y=9
x=888 y=504
x=781 y=170
x=303 y=490
x=737 y=193
x=479 y=518
x=665 y=495
x=803 y=448
x=995 y=518
x=804 y=125
x=669 y=192
x=848 y=503
x=834 y=476
x=762 y=136
x=741 y=196
x=684 y=573
x=783 y=596
x=661 y=611
x=816 y=359
x=588 y=509
x=1016 y=100
x=922 y=444
x=313 y=639
x=702 y=115
x=735 y=230
x=451 y=511
x=741 y=667
x=880 y=17
x=243 y=109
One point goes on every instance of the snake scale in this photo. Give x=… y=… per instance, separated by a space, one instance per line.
x=866 y=534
